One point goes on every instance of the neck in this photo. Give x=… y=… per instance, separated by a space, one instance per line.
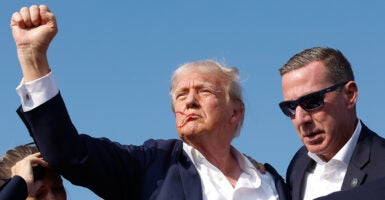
x=224 y=160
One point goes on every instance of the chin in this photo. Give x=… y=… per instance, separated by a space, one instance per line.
x=316 y=149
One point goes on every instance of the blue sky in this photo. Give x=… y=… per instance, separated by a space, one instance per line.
x=113 y=63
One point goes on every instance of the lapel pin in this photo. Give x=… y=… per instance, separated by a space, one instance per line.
x=354 y=182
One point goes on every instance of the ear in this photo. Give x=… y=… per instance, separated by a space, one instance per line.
x=351 y=93
x=238 y=114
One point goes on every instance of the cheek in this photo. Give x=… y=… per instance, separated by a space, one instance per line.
x=330 y=128
x=176 y=106
x=213 y=104
x=178 y=119
x=296 y=127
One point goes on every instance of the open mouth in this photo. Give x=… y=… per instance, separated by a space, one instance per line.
x=312 y=137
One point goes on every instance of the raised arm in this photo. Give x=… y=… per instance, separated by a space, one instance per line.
x=33 y=29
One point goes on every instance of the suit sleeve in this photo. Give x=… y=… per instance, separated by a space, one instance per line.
x=105 y=167
x=54 y=134
x=282 y=188
x=15 y=189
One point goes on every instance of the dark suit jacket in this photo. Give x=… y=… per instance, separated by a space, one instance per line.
x=373 y=190
x=158 y=169
x=367 y=164
x=14 y=189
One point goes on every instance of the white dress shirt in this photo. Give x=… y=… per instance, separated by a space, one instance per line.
x=250 y=185
x=327 y=177
x=37 y=92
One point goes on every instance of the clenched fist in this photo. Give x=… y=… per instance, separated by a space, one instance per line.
x=33 y=29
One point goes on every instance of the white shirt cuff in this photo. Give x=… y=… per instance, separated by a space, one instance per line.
x=37 y=92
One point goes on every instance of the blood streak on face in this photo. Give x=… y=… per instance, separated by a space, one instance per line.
x=187 y=118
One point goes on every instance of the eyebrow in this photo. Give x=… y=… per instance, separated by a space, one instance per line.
x=197 y=86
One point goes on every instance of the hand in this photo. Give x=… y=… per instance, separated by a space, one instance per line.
x=33 y=29
x=23 y=168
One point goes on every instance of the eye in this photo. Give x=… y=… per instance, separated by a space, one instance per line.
x=206 y=91
x=312 y=101
x=180 y=95
x=291 y=105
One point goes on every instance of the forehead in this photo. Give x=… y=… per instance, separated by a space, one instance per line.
x=310 y=78
x=196 y=79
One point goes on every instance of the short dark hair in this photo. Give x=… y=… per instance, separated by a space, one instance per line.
x=11 y=157
x=338 y=66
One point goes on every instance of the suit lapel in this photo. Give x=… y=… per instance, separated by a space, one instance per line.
x=300 y=176
x=191 y=182
x=361 y=156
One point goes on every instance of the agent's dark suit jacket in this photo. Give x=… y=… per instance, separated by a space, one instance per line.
x=158 y=169
x=373 y=190
x=14 y=189
x=367 y=164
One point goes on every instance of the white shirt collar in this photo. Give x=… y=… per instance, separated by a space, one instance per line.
x=244 y=163
x=327 y=177
x=250 y=185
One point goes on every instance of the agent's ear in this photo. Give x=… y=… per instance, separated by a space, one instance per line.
x=351 y=93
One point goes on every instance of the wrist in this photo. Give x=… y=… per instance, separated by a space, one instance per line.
x=34 y=63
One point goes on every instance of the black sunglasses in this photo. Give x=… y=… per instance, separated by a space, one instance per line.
x=308 y=102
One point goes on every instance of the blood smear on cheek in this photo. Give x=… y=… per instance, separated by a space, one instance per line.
x=179 y=112
x=185 y=120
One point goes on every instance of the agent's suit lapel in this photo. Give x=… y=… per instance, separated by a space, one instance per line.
x=300 y=176
x=361 y=156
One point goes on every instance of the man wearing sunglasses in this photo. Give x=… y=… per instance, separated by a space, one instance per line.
x=339 y=151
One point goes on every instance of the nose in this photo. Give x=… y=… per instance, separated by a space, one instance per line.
x=301 y=115
x=192 y=100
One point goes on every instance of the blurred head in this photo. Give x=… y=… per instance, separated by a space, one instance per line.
x=320 y=97
x=207 y=98
x=52 y=187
